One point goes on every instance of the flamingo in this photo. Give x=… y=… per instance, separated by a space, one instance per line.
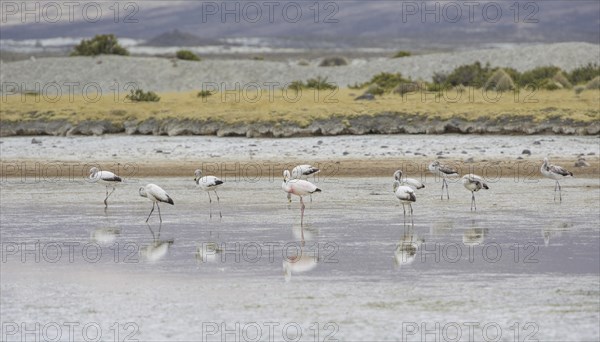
x=443 y=171
x=298 y=187
x=208 y=184
x=406 y=195
x=473 y=183
x=415 y=184
x=106 y=178
x=302 y=172
x=156 y=194
x=555 y=172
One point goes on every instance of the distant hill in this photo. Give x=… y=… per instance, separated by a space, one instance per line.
x=178 y=38
x=351 y=23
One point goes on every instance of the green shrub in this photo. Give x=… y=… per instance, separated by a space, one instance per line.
x=539 y=76
x=205 y=93
x=584 y=74
x=473 y=75
x=386 y=81
x=258 y=58
x=187 y=55
x=593 y=84
x=439 y=77
x=102 y=44
x=319 y=83
x=548 y=84
x=333 y=61
x=401 y=54
x=303 y=62
x=579 y=90
x=296 y=85
x=139 y=95
x=500 y=81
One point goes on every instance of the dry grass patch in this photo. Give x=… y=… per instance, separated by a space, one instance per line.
x=307 y=105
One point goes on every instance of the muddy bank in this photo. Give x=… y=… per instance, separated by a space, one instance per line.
x=385 y=123
x=33 y=171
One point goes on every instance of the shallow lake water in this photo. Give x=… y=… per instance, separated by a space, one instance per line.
x=522 y=267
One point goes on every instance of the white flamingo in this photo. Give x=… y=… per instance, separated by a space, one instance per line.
x=208 y=184
x=298 y=187
x=156 y=194
x=443 y=171
x=555 y=172
x=473 y=183
x=406 y=195
x=415 y=184
x=105 y=178
x=302 y=172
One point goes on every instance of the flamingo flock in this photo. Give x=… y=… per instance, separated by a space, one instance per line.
x=404 y=188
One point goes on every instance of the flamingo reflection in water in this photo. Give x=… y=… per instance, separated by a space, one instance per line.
x=301 y=262
x=158 y=248
x=409 y=244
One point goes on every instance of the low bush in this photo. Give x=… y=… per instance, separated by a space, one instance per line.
x=593 y=84
x=187 y=55
x=401 y=54
x=319 y=83
x=386 y=81
x=500 y=81
x=584 y=74
x=139 y=95
x=205 y=93
x=333 y=61
x=102 y=44
x=469 y=75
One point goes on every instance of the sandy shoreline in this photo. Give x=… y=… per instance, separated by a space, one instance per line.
x=343 y=156
x=31 y=170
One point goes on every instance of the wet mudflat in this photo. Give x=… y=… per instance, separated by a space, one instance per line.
x=522 y=266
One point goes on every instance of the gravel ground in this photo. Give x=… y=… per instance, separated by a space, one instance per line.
x=163 y=75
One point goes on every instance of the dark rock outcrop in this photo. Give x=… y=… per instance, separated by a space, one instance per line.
x=384 y=123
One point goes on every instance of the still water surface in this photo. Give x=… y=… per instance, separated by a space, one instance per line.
x=522 y=266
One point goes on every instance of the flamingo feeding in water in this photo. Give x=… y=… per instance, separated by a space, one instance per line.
x=105 y=178
x=156 y=194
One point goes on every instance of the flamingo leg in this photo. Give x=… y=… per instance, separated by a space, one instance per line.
x=209 y=205
x=559 y=191
x=219 y=204
x=555 y=184
x=151 y=211
x=473 y=204
x=302 y=206
x=159 y=216
x=443 y=184
x=107 y=196
x=447 y=192
x=411 y=211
